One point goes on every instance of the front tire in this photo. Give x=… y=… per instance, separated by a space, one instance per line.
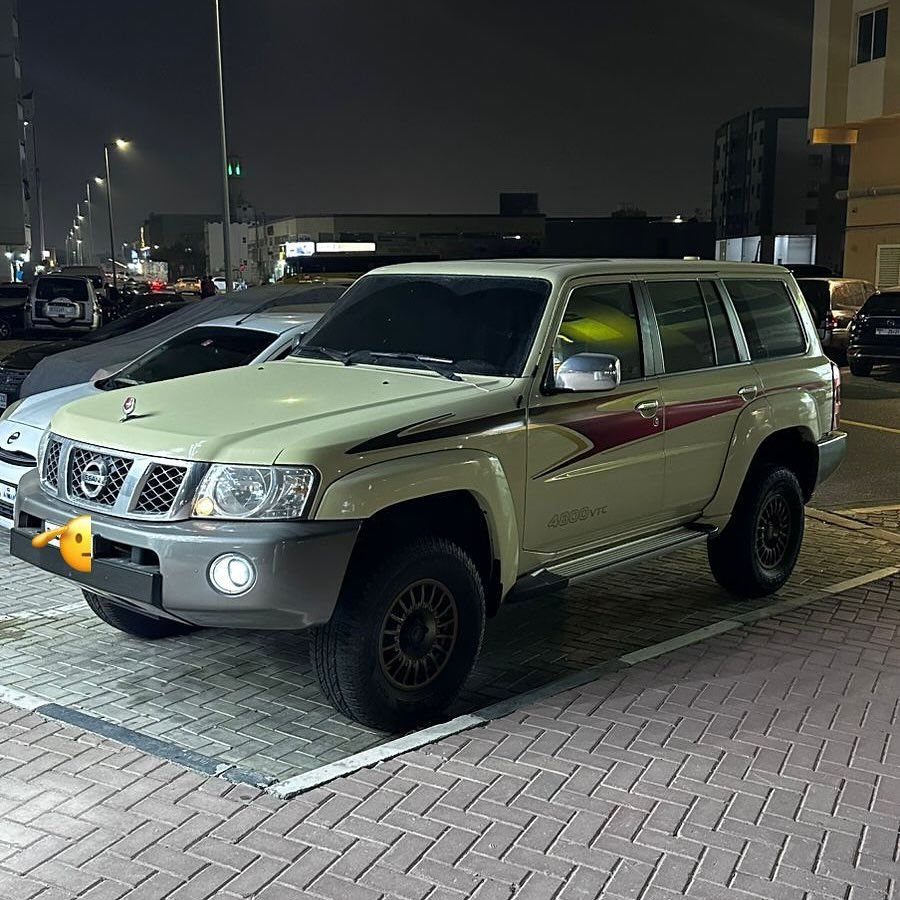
x=403 y=637
x=756 y=552
x=134 y=623
x=861 y=368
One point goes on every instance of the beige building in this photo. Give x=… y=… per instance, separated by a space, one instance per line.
x=855 y=99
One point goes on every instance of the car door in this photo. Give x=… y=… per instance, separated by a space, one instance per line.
x=595 y=458
x=706 y=382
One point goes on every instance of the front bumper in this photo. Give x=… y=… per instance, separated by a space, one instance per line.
x=832 y=450
x=161 y=568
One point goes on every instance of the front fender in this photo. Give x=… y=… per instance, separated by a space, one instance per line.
x=365 y=492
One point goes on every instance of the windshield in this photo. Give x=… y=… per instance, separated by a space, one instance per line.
x=206 y=348
x=474 y=324
x=71 y=288
x=132 y=321
x=818 y=298
x=882 y=305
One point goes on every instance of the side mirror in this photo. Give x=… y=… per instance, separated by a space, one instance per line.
x=589 y=372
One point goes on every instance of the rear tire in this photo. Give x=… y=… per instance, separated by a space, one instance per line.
x=756 y=552
x=6 y=329
x=134 y=623
x=861 y=368
x=403 y=637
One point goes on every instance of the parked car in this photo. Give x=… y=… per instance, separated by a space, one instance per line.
x=191 y=285
x=875 y=333
x=112 y=302
x=449 y=437
x=13 y=300
x=219 y=344
x=834 y=302
x=58 y=302
x=15 y=366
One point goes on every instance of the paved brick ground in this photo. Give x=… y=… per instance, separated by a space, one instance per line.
x=762 y=763
x=250 y=698
x=879 y=517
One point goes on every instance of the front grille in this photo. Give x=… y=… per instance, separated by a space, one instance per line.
x=16 y=458
x=51 y=463
x=126 y=485
x=11 y=379
x=160 y=488
x=6 y=511
x=113 y=469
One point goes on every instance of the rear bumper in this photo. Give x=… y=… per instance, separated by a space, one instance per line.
x=875 y=352
x=161 y=569
x=832 y=450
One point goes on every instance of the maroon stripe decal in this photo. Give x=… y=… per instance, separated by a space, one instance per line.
x=678 y=414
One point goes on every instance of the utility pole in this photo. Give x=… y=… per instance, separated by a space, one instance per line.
x=226 y=200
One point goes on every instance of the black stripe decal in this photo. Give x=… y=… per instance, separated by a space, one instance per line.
x=405 y=435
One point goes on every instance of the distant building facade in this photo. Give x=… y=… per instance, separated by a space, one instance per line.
x=15 y=193
x=179 y=239
x=855 y=106
x=772 y=193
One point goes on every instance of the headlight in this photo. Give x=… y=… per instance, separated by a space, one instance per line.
x=254 y=492
x=7 y=413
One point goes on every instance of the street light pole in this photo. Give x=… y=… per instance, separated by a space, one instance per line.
x=112 y=239
x=226 y=200
x=90 y=218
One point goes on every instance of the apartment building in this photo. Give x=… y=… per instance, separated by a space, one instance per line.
x=855 y=102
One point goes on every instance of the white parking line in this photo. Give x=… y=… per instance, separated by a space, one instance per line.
x=870 y=425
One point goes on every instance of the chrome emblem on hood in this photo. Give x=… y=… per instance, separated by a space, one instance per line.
x=128 y=408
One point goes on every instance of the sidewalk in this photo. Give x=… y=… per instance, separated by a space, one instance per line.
x=757 y=763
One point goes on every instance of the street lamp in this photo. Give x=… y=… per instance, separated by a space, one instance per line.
x=119 y=144
x=90 y=216
x=226 y=200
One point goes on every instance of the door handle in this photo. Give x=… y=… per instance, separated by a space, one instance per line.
x=648 y=408
x=748 y=392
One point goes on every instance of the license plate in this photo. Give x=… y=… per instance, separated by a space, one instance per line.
x=61 y=311
x=49 y=526
x=887 y=331
x=7 y=493
x=2 y=401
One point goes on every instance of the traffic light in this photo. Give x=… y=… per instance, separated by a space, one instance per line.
x=234 y=167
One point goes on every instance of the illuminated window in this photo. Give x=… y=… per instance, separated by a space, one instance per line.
x=871 y=35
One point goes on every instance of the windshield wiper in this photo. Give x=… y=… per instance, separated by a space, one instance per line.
x=427 y=362
x=341 y=356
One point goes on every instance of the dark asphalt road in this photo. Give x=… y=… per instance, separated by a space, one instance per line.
x=870 y=475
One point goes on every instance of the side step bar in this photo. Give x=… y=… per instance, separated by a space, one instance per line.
x=558 y=576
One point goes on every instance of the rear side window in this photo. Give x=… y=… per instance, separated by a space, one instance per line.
x=887 y=304
x=768 y=317
x=726 y=349
x=683 y=325
x=602 y=318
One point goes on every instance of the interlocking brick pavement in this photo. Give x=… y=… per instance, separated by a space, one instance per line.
x=250 y=699
x=761 y=763
x=887 y=517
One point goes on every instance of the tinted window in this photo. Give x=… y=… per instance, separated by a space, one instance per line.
x=887 y=304
x=768 y=318
x=202 y=349
x=51 y=288
x=683 y=325
x=817 y=298
x=726 y=349
x=602 y=318
x=479 y=325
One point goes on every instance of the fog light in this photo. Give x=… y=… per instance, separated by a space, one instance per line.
x=232 y=574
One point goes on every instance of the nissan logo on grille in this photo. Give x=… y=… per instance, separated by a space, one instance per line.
x=94 y=478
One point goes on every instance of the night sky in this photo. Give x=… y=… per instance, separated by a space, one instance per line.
x=402 y=105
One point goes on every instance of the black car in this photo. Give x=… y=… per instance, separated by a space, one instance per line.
x=13 y=300
x=875 y=333
x=15 y=366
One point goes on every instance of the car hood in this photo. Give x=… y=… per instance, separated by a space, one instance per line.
x=290 y=411
x=38 y=409
x=26 y=358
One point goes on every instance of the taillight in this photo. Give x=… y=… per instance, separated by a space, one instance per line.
x=831 y=321
x=836 y=397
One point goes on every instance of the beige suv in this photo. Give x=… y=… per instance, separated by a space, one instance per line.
x=450 y=437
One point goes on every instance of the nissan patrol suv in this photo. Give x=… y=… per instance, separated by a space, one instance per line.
x=450 y=437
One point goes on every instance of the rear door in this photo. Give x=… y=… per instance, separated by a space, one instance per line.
x=706 y=381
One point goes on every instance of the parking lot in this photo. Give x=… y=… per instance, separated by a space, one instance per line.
x=249 y=701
